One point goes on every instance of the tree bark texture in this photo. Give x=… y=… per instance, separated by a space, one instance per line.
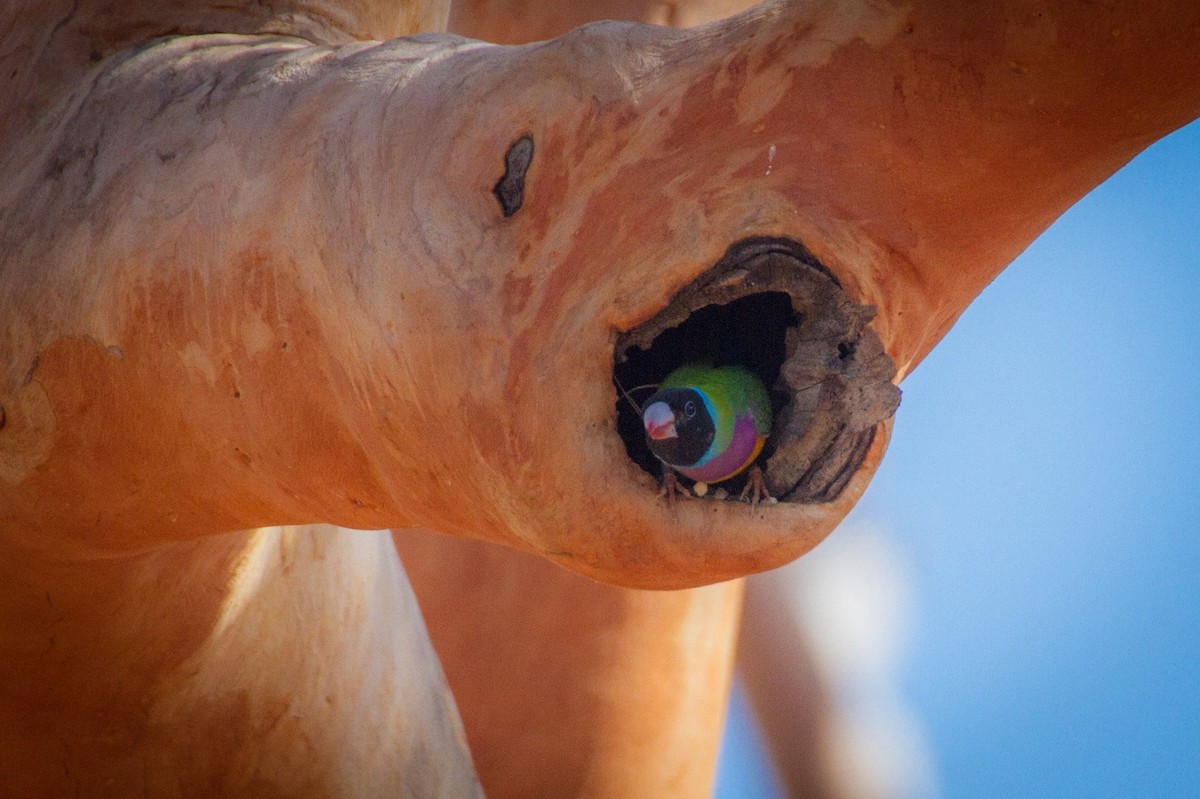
x=569 y=687
x=913 y=151
x=259 y=271
x=281 y=662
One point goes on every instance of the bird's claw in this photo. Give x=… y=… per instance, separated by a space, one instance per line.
x=756 y=491
x=672 y=488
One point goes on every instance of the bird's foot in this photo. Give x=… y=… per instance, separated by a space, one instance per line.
x=755 y=491
x=672 y=488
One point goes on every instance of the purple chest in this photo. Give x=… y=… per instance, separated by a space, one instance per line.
x=743 y=448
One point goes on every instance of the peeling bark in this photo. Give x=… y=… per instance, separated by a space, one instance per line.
x=834 y=378
x=663 y=149
x=255 y=271
x=372 y=305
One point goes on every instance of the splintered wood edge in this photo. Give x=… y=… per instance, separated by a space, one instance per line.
x=836 y=372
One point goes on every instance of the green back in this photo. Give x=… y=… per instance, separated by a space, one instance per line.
x=732 y=390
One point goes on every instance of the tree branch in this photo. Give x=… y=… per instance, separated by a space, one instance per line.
x=205 y=201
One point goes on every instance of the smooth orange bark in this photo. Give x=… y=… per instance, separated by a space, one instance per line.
x=569 y=687
x=259 y=277
x=521 y=609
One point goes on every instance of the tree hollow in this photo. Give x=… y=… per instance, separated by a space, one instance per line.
x=770 y=306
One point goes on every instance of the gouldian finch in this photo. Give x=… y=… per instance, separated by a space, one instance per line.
x=708 y=423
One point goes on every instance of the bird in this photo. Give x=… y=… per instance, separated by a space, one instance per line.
x=709 y=423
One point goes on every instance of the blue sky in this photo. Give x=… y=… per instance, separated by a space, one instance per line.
x=1043 y=486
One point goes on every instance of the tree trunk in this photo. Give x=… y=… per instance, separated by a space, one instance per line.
x=259 y=273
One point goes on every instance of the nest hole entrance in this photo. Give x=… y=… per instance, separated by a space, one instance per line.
x=751 y=331
x=768 y=305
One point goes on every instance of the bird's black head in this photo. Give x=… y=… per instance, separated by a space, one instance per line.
x=679 y=429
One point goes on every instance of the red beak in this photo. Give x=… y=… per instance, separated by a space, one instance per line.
x=659 y=421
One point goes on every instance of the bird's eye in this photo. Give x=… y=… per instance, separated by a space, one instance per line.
x=689 y=409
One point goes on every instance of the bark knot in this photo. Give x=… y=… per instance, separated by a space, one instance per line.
x=510 y=189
